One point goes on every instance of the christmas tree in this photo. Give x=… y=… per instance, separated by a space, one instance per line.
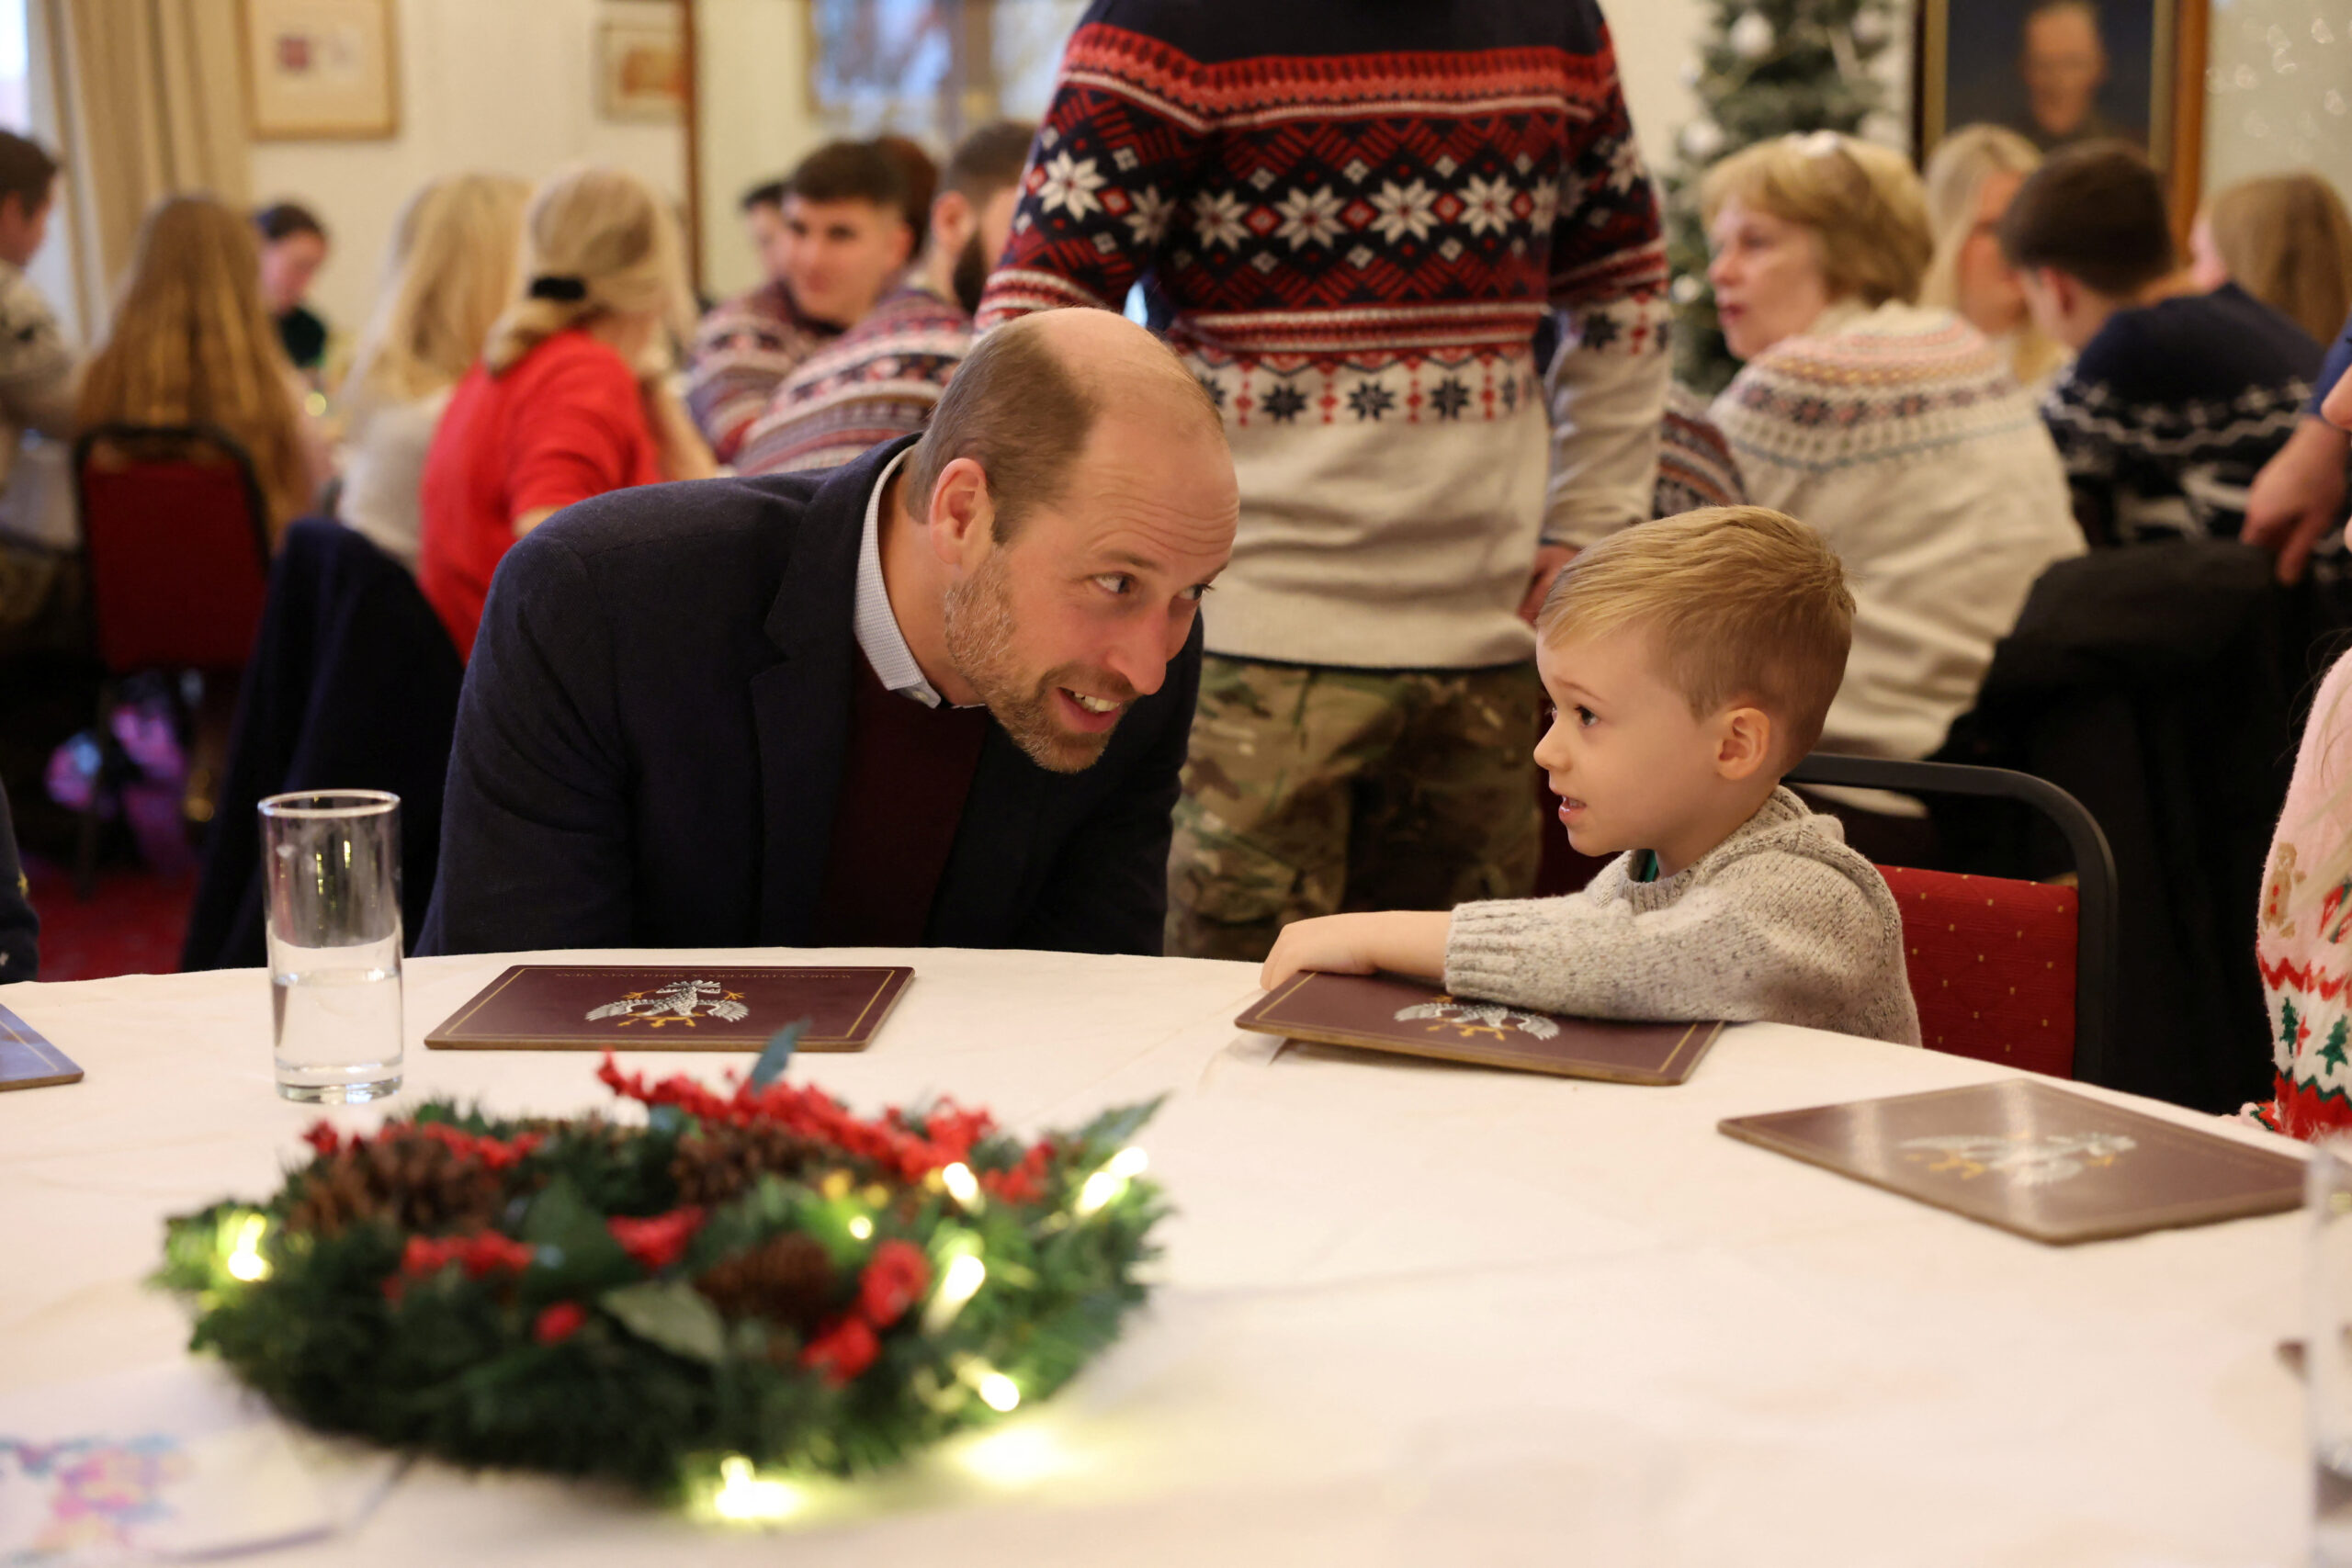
x=1768 y=68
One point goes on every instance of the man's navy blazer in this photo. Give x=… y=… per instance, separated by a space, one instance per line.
x=655 y=721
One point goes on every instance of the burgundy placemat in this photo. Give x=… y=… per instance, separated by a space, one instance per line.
x=1384 y=1013
x=2035 y=1159
x=562 y=1007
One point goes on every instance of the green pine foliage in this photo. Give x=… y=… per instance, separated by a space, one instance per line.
x=582 y=1355
x=1799 y=65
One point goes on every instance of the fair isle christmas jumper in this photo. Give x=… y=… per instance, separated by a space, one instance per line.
x=2300 y=942
x=1359 y=213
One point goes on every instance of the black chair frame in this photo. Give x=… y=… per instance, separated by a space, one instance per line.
x=2096 y=953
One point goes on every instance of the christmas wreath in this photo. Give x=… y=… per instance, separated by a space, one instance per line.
x=743 y=1282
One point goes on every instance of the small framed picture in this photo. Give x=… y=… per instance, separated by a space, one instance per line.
x=321 y=69
x=641 y=64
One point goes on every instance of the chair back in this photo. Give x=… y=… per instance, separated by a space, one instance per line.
x=1997 y=936
x=176 y=535
x=1992 y=964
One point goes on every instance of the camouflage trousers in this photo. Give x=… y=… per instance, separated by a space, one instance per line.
x=1310 y=790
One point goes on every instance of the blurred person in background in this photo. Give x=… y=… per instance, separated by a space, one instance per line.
x=449 y=274
x=1895 y=430
x=36 y=395
x=190 y=342
x=2286 y=239
x=1970 y=180
x=2176 y=397
x=762 y=209
x=846 y=238
x=293 y=249
x=569 y=398
x=881 y=378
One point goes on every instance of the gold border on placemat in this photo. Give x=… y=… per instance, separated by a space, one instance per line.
x=891 y=983
x=1263 y=1011
x=1756 y=1130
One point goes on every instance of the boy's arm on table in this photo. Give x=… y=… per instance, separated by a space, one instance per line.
x=1767 y=927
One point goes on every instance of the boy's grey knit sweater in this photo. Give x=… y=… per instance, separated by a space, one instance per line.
x=1780 y=921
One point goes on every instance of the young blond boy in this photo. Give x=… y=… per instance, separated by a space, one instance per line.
x=1690 y=662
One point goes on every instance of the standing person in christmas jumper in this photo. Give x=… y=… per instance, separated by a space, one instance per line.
x=1691 y=664
x=2176 y=398
x=1358 y=217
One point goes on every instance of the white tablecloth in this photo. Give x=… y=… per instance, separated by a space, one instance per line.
x=1412 y=1313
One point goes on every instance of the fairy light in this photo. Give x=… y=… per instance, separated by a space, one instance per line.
x=1112 y=1179
x=745 y=1498
x=961 y=1184
x=958 y=1283
x=1000 y=1393
x=245 y=1261
x=862 y=1228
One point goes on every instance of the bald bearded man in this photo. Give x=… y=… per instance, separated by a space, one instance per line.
x=939 y=696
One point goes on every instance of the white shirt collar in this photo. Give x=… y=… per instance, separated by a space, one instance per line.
x=879 y=636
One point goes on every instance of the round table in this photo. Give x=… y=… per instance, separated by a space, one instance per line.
x=1409 y=1313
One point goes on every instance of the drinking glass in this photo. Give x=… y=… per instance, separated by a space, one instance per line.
x=2327 y=1350
x=330 y=864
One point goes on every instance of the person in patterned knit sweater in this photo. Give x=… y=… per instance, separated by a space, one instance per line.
x=2176 y=398
x=1358 y=216
x=881 y=378
x=1898 y=432
x=846 y=240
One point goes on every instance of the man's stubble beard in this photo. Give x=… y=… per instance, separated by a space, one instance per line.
x=978 y=614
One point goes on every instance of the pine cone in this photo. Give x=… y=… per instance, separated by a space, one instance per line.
x=717 y=1163
x=788 y=1279
x=415 y=1183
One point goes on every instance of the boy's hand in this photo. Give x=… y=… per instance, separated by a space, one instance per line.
x=1407 y=941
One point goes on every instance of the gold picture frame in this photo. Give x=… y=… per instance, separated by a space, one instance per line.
x=320 y=70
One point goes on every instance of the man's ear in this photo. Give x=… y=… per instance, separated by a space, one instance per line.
x=962 y=518
x=952 y=222
x=1743 y=744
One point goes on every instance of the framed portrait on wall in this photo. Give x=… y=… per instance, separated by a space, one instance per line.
x=321 y=69
x=2058 y=72
x=641 y=63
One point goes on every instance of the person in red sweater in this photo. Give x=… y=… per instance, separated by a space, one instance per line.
x=567 y=401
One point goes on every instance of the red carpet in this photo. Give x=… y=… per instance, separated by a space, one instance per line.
x=133 y=924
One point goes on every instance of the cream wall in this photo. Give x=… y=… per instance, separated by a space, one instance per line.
x=502 y=85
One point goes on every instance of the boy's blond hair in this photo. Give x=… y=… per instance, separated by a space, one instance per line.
x=1741 y=601
x=1863 y=203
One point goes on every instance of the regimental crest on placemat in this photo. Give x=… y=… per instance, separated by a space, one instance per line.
x=1468 y=1018
x=679 y=1001
x=2018 y=1157
x=1415 y=1018
x=2051 y=1164
x=675 y=1006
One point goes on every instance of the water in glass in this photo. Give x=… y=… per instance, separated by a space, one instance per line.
x=331 y=861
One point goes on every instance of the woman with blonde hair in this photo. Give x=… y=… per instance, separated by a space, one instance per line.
x=1897 y=431
x=447 y=275
x=2286 y=239
x=571 y=398
x=191 y=342
x=1969 y=183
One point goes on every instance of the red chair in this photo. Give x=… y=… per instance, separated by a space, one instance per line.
x=1992 y=965
x=2019 y=972
x=176 y=540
